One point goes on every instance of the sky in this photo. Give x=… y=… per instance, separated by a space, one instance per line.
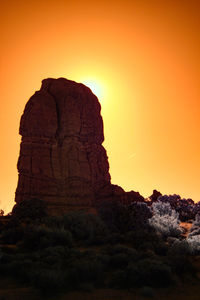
x=144 y=58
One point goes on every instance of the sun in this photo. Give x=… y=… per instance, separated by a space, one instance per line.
x=95 y=87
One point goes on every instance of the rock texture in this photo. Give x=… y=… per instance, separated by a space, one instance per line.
x=62 y=159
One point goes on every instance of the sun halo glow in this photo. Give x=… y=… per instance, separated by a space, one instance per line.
x=95 y=87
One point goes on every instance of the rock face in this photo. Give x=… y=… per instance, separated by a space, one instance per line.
x=62 y=159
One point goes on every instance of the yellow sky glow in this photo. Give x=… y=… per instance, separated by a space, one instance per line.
x=96 y=87
x=141 y=58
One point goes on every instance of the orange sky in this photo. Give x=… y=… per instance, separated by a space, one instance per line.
x=145 y=57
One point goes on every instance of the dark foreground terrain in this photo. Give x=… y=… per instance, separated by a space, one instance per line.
x=134 y=251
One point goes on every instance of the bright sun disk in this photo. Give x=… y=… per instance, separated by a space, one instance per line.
x=95 y=87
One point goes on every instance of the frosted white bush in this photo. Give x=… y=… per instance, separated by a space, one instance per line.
x=190 y=245
x=194 y=232
x=196 y=224
x=195 y=229
x=162 y=208
x=165 y=220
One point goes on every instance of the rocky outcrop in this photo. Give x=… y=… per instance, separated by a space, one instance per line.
x=62 y=159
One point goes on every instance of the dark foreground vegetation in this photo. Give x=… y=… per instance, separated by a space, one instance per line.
x=123 y=247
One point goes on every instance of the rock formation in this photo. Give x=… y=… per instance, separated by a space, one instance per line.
x=62 y=159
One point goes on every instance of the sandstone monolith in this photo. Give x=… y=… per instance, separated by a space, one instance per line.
x=62 y=159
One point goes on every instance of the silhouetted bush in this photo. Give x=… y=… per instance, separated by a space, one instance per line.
x=150 y=272
x=57 y=253
x=88 y=271
x=29 y=210
x=123 y=218
x=179 y=247
x=49 y=282
x=86 y=287
x=140 y=214
x=153 y=272
x=118 y=279
x=116 y=249
x=87 y=228
x=147 y=292
x=38 y=237
x=144 y=238
x=154 y=196
x=194 y=244
x=120 y=255
x=181 y=265
x=12 y=235
x=186 y=208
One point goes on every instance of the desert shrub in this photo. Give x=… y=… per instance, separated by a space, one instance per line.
x=186 y=208
x=160 y=247
x=173 y=200
x=150 y=272
x=165 y=220
x=104 y=259
x=118 y=279
x=154 y=196
x=179 y=247
x=29 y=210
x=120 y=255
x=195 y=225
x=196 y=208
x=2 y=219
x=59 y=237
x=59 y=267
x=49 y=282
x=123 y=218
x=195 y=231
x=119 y=260
x=139 y=214
x=12 y=235
x=153 y=272
x=178 y=257
x=194 y=243
x=86 y=287
x=54 y=222
x=163 y=208
x=5 y=258
x=147 y=292
x=86 y=228
x=38 y=237
x=79 y=271
x=19 y=269
x=116 y=249
x=145 y=238
x=56 y=252
x=89 y=271
x=180 y=264
x=18 y=266
x=193 y=238
x=115 y=215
